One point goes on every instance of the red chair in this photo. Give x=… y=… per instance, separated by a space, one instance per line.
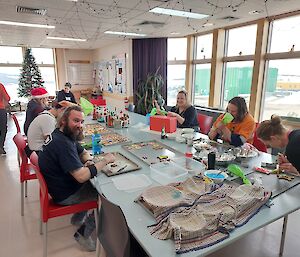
x=257 y=143
x=205 y=123
x=16 y=123
x=51 y=210
x=18 y=131
x=27 y=171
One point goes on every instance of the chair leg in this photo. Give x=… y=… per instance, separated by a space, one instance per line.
x=45 y=240
x=26 y=188
x=18 y=157
x=98 y=246
x=22 y=198
x=41 y=223
x=283 y=233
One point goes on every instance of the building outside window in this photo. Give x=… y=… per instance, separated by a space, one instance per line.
x=282 y=80
x=238 y=63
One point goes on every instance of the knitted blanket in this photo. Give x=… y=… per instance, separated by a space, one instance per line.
x=197 y=215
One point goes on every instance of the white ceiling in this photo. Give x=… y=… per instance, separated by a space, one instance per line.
x=91 y=18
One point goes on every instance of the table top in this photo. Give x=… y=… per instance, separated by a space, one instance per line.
x=138 y=218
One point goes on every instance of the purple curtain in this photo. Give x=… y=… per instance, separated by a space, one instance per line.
x=148 y=55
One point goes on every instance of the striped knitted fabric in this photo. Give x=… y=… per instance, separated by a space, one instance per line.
x=202 y=216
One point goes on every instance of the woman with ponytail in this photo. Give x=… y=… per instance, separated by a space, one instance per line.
x=274 y=134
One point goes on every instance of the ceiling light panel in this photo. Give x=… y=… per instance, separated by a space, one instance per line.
x=178 y=13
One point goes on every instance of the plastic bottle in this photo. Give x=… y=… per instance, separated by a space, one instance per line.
x=163 y=133
x=96 y=143
x=188 y=158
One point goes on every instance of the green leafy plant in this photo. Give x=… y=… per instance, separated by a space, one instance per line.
x=149 y=90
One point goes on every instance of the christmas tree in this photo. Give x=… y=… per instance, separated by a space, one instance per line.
x=30 y=76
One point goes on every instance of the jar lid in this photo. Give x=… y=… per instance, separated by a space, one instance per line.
x=188 y=154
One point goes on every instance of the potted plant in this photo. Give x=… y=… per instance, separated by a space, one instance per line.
x=149 y=90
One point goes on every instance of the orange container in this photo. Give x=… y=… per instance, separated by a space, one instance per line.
x=157 y=122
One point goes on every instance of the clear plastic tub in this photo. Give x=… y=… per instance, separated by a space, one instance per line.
x=192 y=166
x=168 y=172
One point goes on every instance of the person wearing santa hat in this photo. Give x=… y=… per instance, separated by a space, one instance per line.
x=37 y=104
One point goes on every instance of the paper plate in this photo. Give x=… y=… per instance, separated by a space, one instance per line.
x=162 y=196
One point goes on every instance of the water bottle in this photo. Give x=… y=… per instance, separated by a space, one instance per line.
x=211 y=161
x=96 y=143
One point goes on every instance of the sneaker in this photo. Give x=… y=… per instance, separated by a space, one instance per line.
x=78 y=218
x=87 y=243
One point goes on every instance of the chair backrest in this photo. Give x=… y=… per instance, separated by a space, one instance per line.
x=16 y=123
x=113 y=231
x=205 y=123
x=257 y=143
x=44 y=196
x=21 y=144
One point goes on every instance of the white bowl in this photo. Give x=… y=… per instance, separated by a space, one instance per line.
x=188 y=136
x=216 y=176
x=187 y=131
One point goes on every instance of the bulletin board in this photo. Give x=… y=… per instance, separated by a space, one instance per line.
x=80 y=73
x=111 y=75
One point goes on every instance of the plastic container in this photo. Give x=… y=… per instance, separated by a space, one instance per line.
x=96 y=144
x=192 y=166
x=168 y=172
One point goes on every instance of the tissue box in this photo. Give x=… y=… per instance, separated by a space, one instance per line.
x=157 y=122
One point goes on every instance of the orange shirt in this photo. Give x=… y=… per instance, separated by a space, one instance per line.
x=245 y=128
x=4 y=97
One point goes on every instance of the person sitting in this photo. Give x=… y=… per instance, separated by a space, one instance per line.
x=240 y=129
x=66 y=94
x=43 y=125
x=68 y=168
x=184 y=112
x=275 y=135
x=37 y=104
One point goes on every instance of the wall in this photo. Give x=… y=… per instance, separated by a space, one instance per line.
x=63 y=56
x=106 y=53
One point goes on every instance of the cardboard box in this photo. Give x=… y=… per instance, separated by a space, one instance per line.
x=157 y=122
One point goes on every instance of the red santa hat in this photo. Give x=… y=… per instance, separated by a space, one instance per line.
x=39 y=92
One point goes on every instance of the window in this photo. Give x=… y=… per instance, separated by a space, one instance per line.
x=285 y=35
x=202 y=84
x=11 y=54
x=9 y=77
x=242 y=41
x=176 y=82
x=282 y=89
x=204 y=46
x=177 y=49
x=11 y=59
x=238 y=78
x=48 y=75
x=43 y=55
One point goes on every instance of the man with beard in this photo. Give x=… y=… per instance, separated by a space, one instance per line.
x=67 y=169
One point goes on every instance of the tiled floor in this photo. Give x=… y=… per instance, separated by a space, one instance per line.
x=19 y=236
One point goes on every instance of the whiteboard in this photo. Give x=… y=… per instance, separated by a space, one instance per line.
x=80 y=73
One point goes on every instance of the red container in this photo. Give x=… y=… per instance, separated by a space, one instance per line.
x=157 y=122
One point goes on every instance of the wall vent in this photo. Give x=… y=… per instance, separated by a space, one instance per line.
x=22 y=9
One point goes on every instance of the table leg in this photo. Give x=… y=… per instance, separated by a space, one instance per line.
x=283 y=233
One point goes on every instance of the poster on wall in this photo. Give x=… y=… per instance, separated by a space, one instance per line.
x=110 y=75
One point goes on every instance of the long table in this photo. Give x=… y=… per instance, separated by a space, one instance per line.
x=138 y=219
